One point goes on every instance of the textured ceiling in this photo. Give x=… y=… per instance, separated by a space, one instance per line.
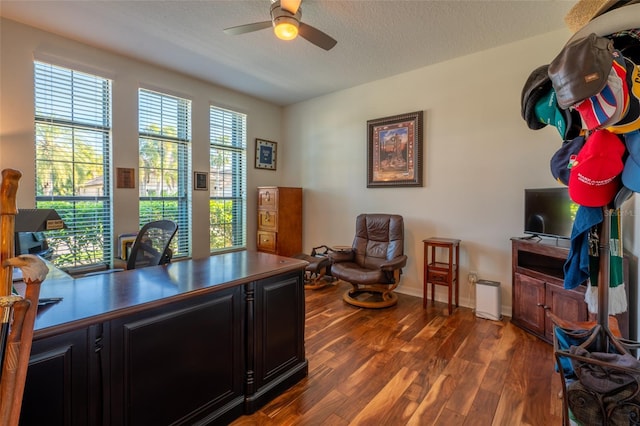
x=376 y=39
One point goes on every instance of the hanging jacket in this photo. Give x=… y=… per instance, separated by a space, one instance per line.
x=576 y=267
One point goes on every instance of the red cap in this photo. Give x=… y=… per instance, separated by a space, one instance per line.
x=594 y=179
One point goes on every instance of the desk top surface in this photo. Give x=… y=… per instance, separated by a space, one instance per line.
x=96 y=298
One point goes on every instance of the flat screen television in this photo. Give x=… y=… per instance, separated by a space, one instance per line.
x=549 y=212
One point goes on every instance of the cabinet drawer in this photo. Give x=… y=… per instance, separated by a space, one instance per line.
x=438 y=277
x=267 y=241
x=267 y=220
x=267 y=198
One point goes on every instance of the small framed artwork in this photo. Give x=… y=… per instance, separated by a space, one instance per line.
x=266 y=154
x=200 y=181
x=394 y=148
x=125 y=178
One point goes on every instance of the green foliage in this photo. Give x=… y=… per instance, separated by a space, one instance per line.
x=220 y=224
x=67 y=160
x=82 y=242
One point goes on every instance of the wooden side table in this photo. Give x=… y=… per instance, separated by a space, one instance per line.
x=439 y=272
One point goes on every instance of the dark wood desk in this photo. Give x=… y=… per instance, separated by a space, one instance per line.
x=194 y=342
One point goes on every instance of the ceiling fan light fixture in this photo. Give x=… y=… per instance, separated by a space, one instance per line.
x=286 y=20
x=285 y=28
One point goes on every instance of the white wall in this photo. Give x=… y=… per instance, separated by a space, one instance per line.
x=479 y=155
x=20 y=43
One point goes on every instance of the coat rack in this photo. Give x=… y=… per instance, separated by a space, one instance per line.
x=607 y=339
x=586 y=404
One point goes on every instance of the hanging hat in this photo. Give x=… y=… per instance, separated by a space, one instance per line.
x=564 y=158
x=539 y=107
x=618 y=19
x=631 y=120
x=594 y=178
x=631 y=172
x=537 y=85
x=581 y=69
x=547 y=111
x=627 y=42
x=585 y=10
x=610 y=105
x=574 y=124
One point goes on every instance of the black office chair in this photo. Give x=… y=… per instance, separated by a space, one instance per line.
x=151 y=246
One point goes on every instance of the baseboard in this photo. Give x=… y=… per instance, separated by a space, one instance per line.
x=464 y=301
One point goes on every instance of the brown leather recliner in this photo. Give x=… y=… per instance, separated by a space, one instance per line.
x=375 y=261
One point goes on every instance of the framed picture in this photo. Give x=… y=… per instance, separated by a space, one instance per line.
x=200 y=181
x=394 y=151
x=125 y=178
x=266 y=154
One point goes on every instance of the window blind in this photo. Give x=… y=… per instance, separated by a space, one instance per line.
x=72 y=141
x=165 y=163
x=227 y=179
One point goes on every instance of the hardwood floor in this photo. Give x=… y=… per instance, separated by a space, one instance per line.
x=408 y=366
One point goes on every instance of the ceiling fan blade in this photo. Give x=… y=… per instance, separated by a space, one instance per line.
x=290 y=5
x=247 y=28
x=316 y=36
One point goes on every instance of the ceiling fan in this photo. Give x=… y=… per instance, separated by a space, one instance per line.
x=286 y=18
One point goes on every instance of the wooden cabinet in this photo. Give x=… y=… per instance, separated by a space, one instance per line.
x=182 y=363
x=196 y=342
x=528 y=298
x=533 y=297
x=275 y=339
x=61 y=385
x=279 y=220
x=538 y=279
x=538 y=287
x=179 y=364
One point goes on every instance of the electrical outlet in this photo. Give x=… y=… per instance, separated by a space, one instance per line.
x=473 y=277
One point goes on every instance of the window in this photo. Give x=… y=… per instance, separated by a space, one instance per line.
x=164 y=126
x=227 y=174
x=72 y=138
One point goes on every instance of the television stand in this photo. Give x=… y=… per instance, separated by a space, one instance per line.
x=538 y=279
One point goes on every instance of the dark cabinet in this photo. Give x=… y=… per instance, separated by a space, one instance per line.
x=528 y=303
x=58 y=387
x=179 y=363
x=538 y=287
x=566 y=304
x=202 y=357
x=276 y=356
x=533 y=297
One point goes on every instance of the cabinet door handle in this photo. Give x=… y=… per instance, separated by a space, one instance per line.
x=267 y=217
x=268 y=194
x=543 y=306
